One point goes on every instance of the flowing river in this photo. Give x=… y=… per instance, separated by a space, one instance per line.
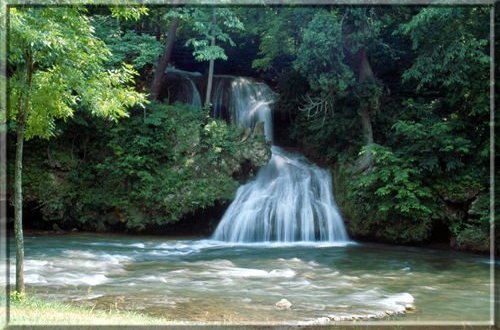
x=211 y=281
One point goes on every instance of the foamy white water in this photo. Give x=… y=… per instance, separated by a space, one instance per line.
x=290 y=200
x=244 y=102
x=206 y=280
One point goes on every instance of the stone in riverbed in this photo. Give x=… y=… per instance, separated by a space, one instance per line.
x=283 y=304
x=409 y=307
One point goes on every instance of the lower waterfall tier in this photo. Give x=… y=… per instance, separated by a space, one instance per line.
x=290 y=200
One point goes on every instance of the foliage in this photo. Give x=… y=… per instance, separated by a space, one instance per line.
x=68 y=70
x=17 y=297
x=153 y=168
x=129 y=12
x=279 y=23
x=453 y=58
x=426 y=176
x=452 y=52
x=321 y=54
x=205 y=24
x=396 y=191
x=127 y=45
x=329 y=138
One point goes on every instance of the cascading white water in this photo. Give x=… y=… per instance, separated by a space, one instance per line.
x=192 y=94
x=244 y=102
x=291 y=199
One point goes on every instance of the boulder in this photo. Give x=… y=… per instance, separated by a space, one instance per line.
x=56 y=228
x=283 y=304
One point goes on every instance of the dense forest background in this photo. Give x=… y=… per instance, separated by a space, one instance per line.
x=394 y=100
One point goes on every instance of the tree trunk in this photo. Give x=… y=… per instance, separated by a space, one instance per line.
x=23 y=106
x=367 y=125
x=18 y=203
x=164 y=60
x=366 y=73
x=210 y=67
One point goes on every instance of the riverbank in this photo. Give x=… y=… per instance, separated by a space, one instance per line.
x=33 y=311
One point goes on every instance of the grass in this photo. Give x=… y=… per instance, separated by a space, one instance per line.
x=33 y=311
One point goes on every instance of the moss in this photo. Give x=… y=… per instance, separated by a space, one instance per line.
x=473 y=239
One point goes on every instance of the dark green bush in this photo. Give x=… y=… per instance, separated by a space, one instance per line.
x=153 y=168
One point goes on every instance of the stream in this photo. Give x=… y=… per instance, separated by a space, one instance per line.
x=211 y=281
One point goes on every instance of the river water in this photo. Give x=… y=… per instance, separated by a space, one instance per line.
x=210 y=281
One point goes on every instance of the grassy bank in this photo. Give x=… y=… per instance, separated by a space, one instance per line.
x=33 y=311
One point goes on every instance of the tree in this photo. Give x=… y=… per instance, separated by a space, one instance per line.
x=207 y=27
x=283 y=23
x=334 y=48
x=164 y=59
x=203 y=31
x=452 y=49
x=56 y=66
x=362 y=30
x=451 y=70
x=210 y=80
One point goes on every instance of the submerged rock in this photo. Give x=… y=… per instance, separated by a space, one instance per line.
x=410 y=307
x=283 y=304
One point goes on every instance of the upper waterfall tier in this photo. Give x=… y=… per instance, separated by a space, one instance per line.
x=185 y=90
x=290 y=200
x=244 y=102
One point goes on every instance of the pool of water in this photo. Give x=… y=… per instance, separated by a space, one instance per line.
x=208 y=281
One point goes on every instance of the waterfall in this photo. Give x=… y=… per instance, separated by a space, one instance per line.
x=185 y=88
x=290 y=199
x=244 y=102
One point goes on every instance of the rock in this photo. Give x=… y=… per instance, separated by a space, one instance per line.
x=74 y=230
x=409 y=307
x=464 y=196
x=283 y=304
x=246 y=134
x=453 y=242
x=323 y=320
x=454 y=212
x=56 y=228
x=259 y=128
